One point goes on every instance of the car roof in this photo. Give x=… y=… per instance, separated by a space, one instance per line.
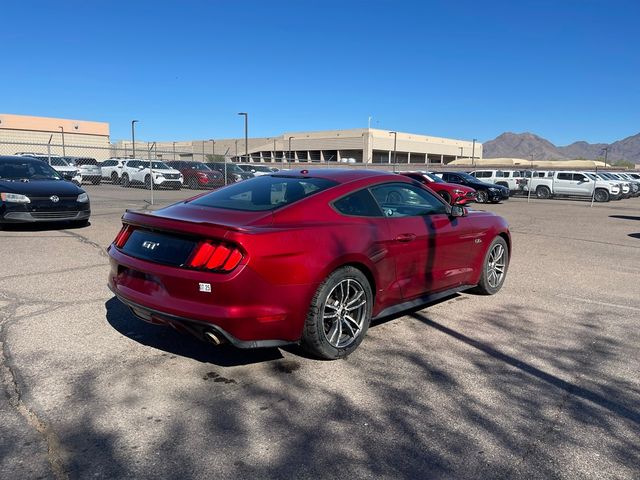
x=340 y=175
x=18 y=158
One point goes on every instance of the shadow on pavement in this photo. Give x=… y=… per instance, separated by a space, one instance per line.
x=168 y=340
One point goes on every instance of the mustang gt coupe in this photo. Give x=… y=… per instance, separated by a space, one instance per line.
x=306 y=256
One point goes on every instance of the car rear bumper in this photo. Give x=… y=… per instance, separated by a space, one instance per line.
x=240 y=305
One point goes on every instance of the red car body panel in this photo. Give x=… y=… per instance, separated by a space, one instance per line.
x=459 y=194
x=288 y=252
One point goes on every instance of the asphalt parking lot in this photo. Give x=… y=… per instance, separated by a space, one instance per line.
x=539 y=381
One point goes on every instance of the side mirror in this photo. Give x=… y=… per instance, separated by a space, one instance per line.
x=140 y=167
x=458 y=211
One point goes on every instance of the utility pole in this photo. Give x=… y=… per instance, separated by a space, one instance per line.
x=64 y=154
x=289 y=153
x=133 y=138
x=473 y=154
x=395 y=145
x=246 y=133
x=606 y=153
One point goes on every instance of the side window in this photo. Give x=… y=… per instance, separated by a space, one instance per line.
x=500 y=174
x=360 y=204
x=402 y=200
x=564 y=176
x=578 y=177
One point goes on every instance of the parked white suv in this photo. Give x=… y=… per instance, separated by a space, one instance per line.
x=112 y=169
x=139 y=172
x=59 y=164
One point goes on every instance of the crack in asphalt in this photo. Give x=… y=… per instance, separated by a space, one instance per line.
x=9 y=379
x=82 y=239
x=50 y=272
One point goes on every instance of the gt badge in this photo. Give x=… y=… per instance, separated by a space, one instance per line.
x=205 y=287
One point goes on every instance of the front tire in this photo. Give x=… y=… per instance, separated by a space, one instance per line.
x=114 y=178
x=125 y=182
x=494 y=268
x=96 y=181
x=483 y=196
x=339 y=314
x=147 y=182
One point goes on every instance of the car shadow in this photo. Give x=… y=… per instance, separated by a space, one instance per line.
x=625 y=217
x=40 y=226
x=169 y=340
x=635 y=235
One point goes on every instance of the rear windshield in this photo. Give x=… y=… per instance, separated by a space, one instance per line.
x=85 y=161
x=264 y=193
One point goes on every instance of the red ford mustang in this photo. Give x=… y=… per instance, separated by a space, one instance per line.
x=453 y=193
x=303 y=256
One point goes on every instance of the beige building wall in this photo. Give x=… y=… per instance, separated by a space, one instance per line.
x=23 y=133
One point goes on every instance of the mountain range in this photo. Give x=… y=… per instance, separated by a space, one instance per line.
x=523 y=145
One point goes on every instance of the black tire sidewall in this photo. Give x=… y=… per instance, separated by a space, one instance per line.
x=482 y=197
x=313 y=337
x=445 y=196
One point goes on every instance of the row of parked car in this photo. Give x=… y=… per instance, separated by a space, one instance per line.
x=602 y=186
x=129 y=172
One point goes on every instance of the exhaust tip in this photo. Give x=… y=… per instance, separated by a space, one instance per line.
x=213 y=337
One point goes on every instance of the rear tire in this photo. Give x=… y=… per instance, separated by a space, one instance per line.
x=124 y=181
x=147 y=182
x=494 y=268
x=96 y=182
x=601 y=195
x=543 y=192
x=339 y=314
x=114 y=178
x=193 y=183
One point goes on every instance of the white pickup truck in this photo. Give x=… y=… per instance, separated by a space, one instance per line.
x=574 y=184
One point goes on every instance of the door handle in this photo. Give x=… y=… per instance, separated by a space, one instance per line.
x=405 y=237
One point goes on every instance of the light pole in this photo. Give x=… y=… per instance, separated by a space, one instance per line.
x=274 y=151
x=213 y=149
x=606 y=152
x=289 y=153
x=246 y=133
x=236 y=150
x=133 y=137
x=64 y=154
x=530 y=185
x=461 y=150
x=395 y=145
x=174 y=151
x=473 y=154
x=203 y=150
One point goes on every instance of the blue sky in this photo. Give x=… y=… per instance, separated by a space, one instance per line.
x=564 y=69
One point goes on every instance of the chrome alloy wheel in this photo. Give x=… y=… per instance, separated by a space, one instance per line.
x=496 y=266
x=344 y=313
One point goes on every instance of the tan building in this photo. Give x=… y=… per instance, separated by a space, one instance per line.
x=23 y=133
x=362 y=145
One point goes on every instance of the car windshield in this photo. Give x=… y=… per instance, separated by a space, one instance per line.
x=433 y=177
x=467 y=177
x=200 y=166
x=27 y=170
x=158 y=165
x=59 y=162
x=592 y=177
x=264 y=193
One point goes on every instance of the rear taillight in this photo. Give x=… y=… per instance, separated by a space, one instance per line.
x=123 y=236
x=215 y=257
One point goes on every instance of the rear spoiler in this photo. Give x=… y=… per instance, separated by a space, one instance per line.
x=148 y=219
